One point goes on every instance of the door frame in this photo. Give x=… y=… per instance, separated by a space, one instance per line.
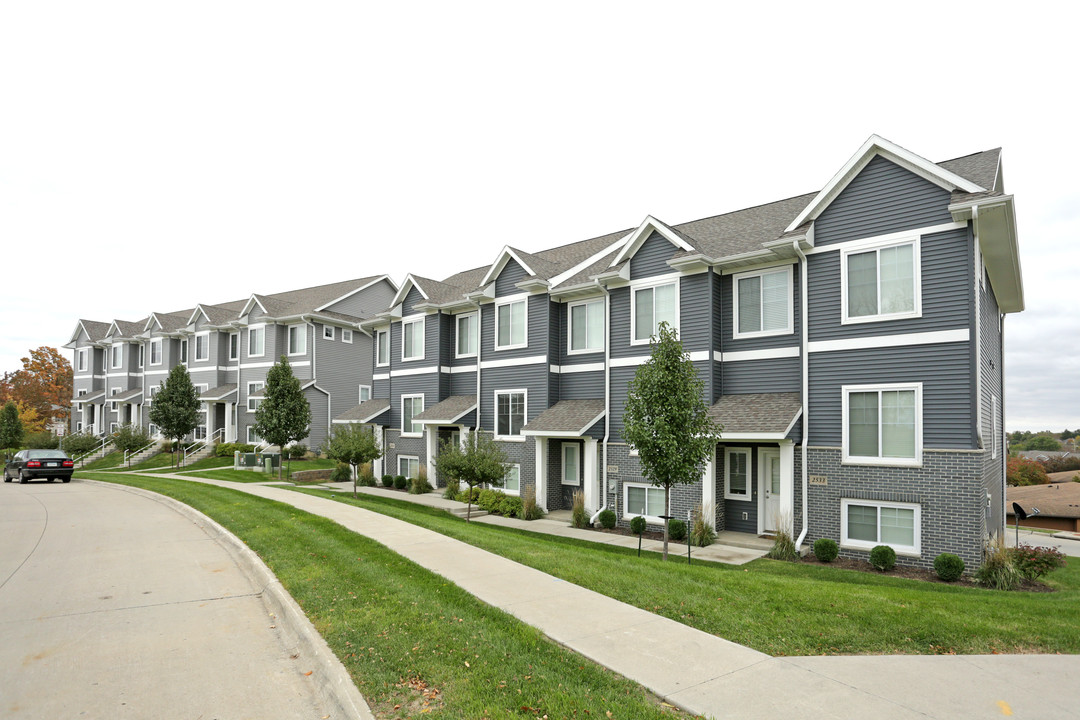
x=786 y=452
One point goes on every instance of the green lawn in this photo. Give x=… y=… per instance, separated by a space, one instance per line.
x=403 y=632
x=111 y=460
x=223 y=470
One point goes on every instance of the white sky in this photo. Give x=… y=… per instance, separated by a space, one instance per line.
x=154 y=155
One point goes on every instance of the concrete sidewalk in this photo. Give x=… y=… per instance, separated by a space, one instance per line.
x=708 y=675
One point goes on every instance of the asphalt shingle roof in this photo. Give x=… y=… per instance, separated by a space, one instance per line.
x=756 y=413
x=96 y=330
x=126 y=395
x=365 y=411
x=219 y=392
x=1054 y=500
x=566 y=416
x=449 y=410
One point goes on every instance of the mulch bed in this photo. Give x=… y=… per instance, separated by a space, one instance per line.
x=912 y=573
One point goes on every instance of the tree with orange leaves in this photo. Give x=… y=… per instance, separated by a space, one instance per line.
x=44 y=384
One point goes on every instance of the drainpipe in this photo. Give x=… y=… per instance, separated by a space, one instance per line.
x=479 y=354
x=980 y=441
x=805 y=390
x=1001 y=388
x=607 y=402
x=315 y=372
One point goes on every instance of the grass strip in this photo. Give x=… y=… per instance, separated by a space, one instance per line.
x=413 y=642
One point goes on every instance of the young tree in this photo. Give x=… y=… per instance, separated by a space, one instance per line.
x=44 y=383
x=175 y=409
x=284 y=415
x=666 y=418
x=478 y=461
x=354 y=444
x=129 y=438
x=11 y=428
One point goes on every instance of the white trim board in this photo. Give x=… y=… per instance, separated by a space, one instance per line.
x=885 y=341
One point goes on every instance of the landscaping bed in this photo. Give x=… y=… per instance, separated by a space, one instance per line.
x=913 y=573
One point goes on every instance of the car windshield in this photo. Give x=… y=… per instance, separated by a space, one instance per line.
x=45 y=454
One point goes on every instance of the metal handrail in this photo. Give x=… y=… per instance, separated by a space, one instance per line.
x=82 y=458
x=129 y=454
x=201 y=444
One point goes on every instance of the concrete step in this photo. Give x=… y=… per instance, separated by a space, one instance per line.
x=463 y=512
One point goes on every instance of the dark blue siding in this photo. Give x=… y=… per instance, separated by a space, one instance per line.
x=511 y=275
x=651 y=258
x=762 y=376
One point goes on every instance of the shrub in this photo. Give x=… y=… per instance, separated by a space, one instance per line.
x=130 y=438
x=883 y=558
x=702 y=532
x=783 y=547
x=1034 y=562
x=342 y=472
x=296 y=452
x=228 y=449
x=388 y=481
x=419 y=485
x=998 y=570
x=453 y=487
x=43 y=440
x=529 y=509
x=401 y=482
x=510 y=506
x=1054 y=465
x=607 y=518
x=1021 y=471
x=76 y=444
x=676 y=530
x=463 y=496
x=637 y=525
x=826 y=549
x=489 y=499
x=366 y=478
x=948 y=567
x=579 y=518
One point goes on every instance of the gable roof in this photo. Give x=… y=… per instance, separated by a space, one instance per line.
x=95 y=331
x=644 y=231
x=167 y=322
x=365 y=412
x=566 y=418
x=305 y=301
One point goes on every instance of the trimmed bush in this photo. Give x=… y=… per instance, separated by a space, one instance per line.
x=510 y=506
x=607 y=519
x=529 y=509
x=948 y=567
x=826 y=549
x=883 y=558
x=401 y=482
x=388 y=481
x=342 y=473
x=1034 y=562
x=453 y=488
x=296 y=452
x=637 y=525
x=463 y=496
x=76 y=444
x=676 y=530
x=579 y=518
x=489 y=499
x=228 y=449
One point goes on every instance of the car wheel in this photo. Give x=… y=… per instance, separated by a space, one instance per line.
x=23 y=479
x=6 y=478
x=67 y=480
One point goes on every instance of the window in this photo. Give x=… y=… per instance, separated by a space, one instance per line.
x=412 y=339
x=153 y=390
x=411 y=406
x=252 y=437
x=155 y=352
x=253 y=403
x=466 y=335
x=234 y=346
x=382 y=344
x=737 y=474
x=643 y=500
x=586 y=326
x=117 y=356
x=183 y=352
x=202 y=347
x=512 y=480
x=881 y=284
x=81 y=355
x=511 y=320
x=365 y=393
x=297 y=339
x=762 y=303
x=866 y=523
x=408 y=465
x=346 y=336
x=82 y=392
x=142 y=354
x=571 y=463
x=652 y=306
x=256 y=338
x=328 y=332
x=78 y=426
x=113 y=405
x=509 y=413
x=152 y=429
x=113 y=427
x=882 y=424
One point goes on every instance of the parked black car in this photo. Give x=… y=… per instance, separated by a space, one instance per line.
x=29 y=465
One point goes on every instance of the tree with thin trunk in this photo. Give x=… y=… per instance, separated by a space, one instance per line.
x=354 y=444
x=11 y=427
x=477 y=461
x=666 y=419
x=175 y=408
x=284 y=415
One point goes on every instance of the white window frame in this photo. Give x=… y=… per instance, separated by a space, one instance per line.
x=252 y=437
x=261 y=384
x=183 y=351
x=652 y=285
x=205 y=337
x=151 y=392
x=113 y=405
x=361 y=393
x=78 y=426
x=508 y=303
x=512 y=467
x=260 y=332
x=789 y=328
x=142 y=355
x=848 y=458
x=916 y=259
x=234 y=346
x=328 y=332
x=406 y=329
x=524 y=413
x=82 y=359
x=728 y=493
x=379 y=335
x=152 y=430
x=474 y=335
x=155 y=343
x=576 y=480
x=113 y=427
x=409 y=459
x=570 y=327
x=346 y=336
x=412 y=433
x=652 y=519
x=116 y=355
x=847 y=542
x=301 y=334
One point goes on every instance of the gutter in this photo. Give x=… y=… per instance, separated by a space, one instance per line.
x=607 y=402
x=805 y=390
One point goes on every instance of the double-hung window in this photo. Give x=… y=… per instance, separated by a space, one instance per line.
x=509 y=413
x=411 y=406
x=155 y=352
x=762 y=302
x=586 y=326
x=867 y=523
x=202 y=346
x=382 y=347
x=511 y=322
x=234 y=346
x=253 y=403
x=512 y=480
x=412 y=339
x=183 y=351
x=82 y=360
x=881 y=283
x=408 y=465
x=651 y=306
x=117 y=356
x=467 y=338
x=365 y=393
x=346 y=336
x=297 y=339
x=256 y=340
x=882 y=424
x=737 y=474
x=643 y=500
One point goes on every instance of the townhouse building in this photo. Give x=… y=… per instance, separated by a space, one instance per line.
x=850 y=343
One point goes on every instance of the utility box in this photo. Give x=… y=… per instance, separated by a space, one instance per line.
x=249 y=460
x=271 y=460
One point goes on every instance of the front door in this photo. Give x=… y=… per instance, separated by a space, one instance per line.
x=771 y=498
x=570 y=472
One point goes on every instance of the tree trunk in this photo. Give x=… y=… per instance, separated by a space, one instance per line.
x=468 y=510
x=355 y=474
x=667 y=503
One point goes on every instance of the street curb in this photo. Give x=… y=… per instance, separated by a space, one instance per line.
x=335 y=687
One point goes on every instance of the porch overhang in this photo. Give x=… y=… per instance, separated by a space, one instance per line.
x=219 y=393
x=566 y=419
x=363 y=413
x=448 y=412
x=89 y=397
x=131 y=396
x=757 y=416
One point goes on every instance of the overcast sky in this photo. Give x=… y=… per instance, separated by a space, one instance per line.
x=154 y=155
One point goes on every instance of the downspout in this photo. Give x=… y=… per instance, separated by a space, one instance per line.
x=315 y=372
x=479 y=354
x=805 y=390
x=1004 y=437
x=607 y=403
x=979 y=440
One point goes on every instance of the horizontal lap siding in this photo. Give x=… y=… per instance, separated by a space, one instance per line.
x=733 y=509
x=651 y=258
x=581 y=386
x=762 y=376
x=726 y=321
x=537 y=333
x=341 y=369
x=367 y=302
x=695 y=310
x=319 y=428
x=512 y=273
x=619 y=335
x=427 y=385
x=532 y=378
x=620 y=381
x=463 y=383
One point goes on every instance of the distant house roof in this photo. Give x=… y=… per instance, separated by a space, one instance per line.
x=1054 y=500
x=1047 y=454
x=769 y=415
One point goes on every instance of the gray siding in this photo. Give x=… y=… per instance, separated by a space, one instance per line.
x=340 y=368
x=581 y=386
x=732 y=512
x=695 y=309
x=883 y=198
x=651 y=258
x=412 y=299
x=319 y=404
x=762 y=376
x=511 y=275
x=725 y=319
x=537 y=332
x=427 y=385
x=367 y=302
x=620 y=379
x=533 y=378
x=463 y=383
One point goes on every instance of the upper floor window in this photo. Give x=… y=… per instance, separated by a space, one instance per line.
x=467 y=335
x=346 y=336
x=382 y=347
x=652 y=306
x=234 y=346
x=155 y=352
x=411 y=406
x=183 y=351
x=254 y=387
x=202 y=347
x=762 y=302
x=412 y=339
x=81 y=359
x=256 y=340
x=365 y=393
x=117 y=356
x=509 y=413
x=142 y=354
x=586 y=326
x=882 y=424
x=881 y=283
x=511 y=320
x=297 y=339
x=328 y=332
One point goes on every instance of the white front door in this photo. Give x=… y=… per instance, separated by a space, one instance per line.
x=772 y=499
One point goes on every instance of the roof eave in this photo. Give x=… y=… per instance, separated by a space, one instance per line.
x=995 y=226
